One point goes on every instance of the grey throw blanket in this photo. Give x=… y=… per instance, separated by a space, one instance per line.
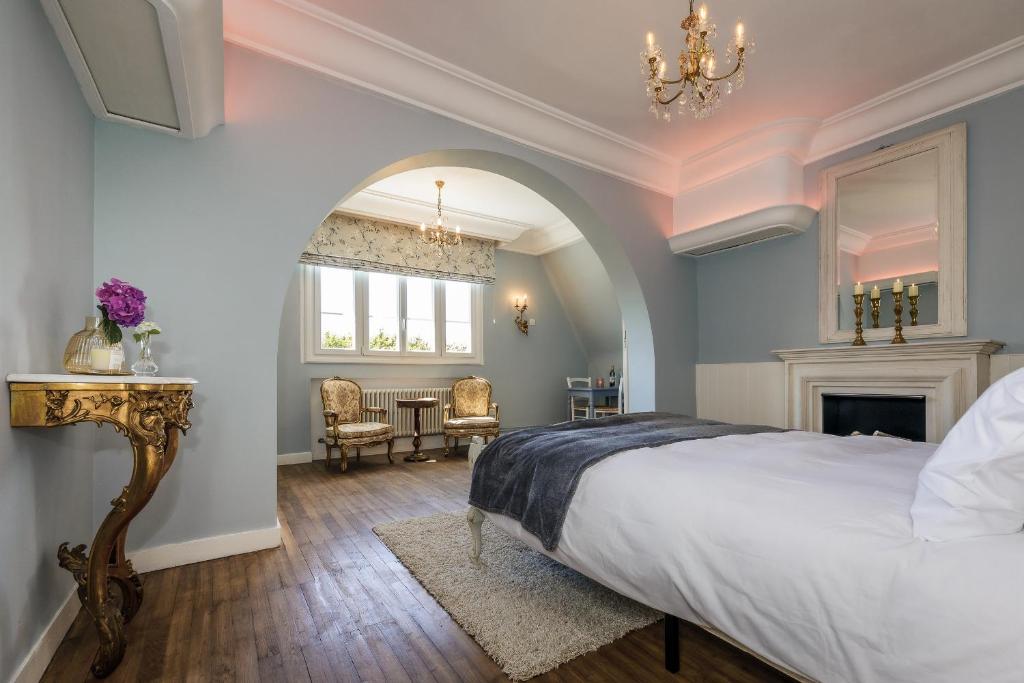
x=531 y=475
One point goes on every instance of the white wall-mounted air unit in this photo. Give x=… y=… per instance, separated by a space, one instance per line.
x=756 y=226
x=157 y=64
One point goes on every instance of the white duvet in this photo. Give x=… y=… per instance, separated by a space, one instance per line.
x=799 y=546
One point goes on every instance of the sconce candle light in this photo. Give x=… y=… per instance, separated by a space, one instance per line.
x=519 y=302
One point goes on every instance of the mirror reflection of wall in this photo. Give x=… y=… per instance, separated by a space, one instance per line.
x=888 y=229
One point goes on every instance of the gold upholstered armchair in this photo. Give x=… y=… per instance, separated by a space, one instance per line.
x=469 y=413
x=343 y=415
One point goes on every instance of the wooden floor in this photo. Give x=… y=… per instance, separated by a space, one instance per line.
x=333 y=604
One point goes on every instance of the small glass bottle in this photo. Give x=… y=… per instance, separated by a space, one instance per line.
x=145 y=366
x=611 y=377
x=77 y=357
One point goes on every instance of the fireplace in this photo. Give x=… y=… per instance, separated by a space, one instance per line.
x=902 y=416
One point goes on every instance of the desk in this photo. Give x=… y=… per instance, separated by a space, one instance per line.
x=150 y=412
x=416 y=404
x=592 y=394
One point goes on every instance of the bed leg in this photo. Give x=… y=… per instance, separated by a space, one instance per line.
x=672 y=643
x=475 y=518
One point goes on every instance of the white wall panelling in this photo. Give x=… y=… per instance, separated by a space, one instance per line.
x=755 y=393
x=742 y=393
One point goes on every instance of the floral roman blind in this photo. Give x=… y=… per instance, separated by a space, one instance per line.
x=360 y=243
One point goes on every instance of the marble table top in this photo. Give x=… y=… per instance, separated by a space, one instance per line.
x=95 y=379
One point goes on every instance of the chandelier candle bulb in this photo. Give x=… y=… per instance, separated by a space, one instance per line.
x=739 y=34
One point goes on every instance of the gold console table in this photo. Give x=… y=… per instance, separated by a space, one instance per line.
x=150 y=412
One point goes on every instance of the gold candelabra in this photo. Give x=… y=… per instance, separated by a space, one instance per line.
x=858 y=312
x=913 y=309
x=897 y=310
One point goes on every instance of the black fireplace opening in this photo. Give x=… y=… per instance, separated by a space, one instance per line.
x=902 y=416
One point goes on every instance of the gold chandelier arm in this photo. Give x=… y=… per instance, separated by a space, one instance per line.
x=739 y=63
x=671 y=99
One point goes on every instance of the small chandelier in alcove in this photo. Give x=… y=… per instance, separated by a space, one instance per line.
x=436 y=232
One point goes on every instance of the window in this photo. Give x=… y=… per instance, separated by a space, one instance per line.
x=458 y=318
x=354 y=316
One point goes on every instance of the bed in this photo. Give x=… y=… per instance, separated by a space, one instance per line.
x=798 y=547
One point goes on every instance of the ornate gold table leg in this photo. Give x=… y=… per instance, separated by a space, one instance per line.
x=151 y=421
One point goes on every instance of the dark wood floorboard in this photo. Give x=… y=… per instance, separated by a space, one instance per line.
x=333 y=604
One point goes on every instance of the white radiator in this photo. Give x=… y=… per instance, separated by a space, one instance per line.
x=401 y=418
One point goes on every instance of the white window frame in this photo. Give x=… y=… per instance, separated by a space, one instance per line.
x=309 y=326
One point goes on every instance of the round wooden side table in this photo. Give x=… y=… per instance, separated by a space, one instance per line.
x=416 y=404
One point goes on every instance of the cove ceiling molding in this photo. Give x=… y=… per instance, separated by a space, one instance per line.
x=155 y=64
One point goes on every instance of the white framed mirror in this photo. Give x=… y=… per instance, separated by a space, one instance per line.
x=897 y=213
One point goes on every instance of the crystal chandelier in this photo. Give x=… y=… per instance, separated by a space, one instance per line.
x=699 y=90
x=436 y=232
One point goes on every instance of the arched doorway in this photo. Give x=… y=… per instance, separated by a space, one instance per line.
x=636 y=321
x=295 y=378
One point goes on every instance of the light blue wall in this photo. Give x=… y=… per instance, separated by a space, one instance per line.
x=46 y=189
x=765 y=296
x=212 y=228
x=527 y=371
x=588 y=296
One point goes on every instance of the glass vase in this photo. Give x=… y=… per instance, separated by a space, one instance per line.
x=145 y=366
x=77 y=357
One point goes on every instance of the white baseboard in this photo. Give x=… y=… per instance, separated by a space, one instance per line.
x=202 y=549
x=294 y=458
x=38 y=658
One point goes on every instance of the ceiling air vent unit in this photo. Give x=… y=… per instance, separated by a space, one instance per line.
x=157 y=64
x=756 y=226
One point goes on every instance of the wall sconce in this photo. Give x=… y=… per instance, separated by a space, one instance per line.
x=522 y=323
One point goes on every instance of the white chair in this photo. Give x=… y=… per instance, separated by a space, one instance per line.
x=579 y=408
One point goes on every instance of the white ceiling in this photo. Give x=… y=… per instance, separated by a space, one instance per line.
x=484 y=204
x=814 y=58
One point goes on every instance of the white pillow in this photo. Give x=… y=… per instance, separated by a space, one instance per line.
x=973 y=485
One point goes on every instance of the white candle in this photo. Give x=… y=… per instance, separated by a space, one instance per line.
x=703 y=12
x=858 y=288
x=99 y=359
x=912 y=290
x=739 y=34
x=650 y=41
x=897 y=287
x=876 y=293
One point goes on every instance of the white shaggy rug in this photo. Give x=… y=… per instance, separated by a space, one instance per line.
x=528 y=612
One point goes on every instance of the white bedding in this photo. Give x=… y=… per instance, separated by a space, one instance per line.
x=799 y=546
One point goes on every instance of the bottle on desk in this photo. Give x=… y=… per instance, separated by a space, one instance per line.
x=611 y=377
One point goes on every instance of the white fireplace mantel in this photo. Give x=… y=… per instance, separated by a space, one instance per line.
x=949 y=374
